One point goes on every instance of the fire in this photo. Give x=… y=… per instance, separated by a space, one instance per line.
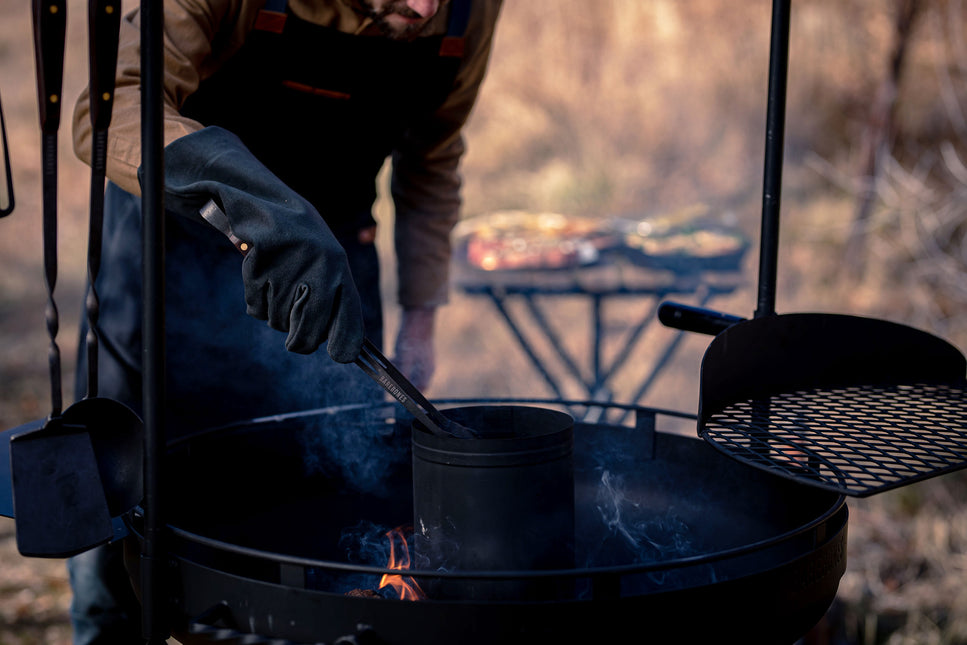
x=399 y=558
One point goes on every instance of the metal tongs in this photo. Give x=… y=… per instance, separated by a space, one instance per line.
x=381 y=370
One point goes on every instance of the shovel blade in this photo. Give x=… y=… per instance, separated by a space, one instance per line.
x=58 y=501
x=6 y=476
x=117 y=435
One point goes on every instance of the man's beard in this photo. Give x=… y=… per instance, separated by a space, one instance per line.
x=397 y=7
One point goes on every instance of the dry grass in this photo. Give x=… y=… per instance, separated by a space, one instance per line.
x=617 y=107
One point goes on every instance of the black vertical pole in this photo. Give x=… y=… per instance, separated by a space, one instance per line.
x=154 y=590
x=772 y=180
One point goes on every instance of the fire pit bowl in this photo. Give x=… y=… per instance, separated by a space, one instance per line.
x=273 y=537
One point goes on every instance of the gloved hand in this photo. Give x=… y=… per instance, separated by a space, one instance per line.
x=296 y=274
x=414 y=346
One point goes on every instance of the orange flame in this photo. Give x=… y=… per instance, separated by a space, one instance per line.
x=399 y=558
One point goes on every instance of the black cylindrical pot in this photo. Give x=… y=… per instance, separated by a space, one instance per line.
x=503 y=501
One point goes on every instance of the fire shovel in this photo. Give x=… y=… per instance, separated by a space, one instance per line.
x=116 y=432
x=71 y=473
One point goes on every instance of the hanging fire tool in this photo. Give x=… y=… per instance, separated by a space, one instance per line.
x=74 y=475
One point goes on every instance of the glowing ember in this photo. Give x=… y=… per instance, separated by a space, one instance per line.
x=399 y=558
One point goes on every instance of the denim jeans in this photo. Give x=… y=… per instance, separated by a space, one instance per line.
x=104 y=609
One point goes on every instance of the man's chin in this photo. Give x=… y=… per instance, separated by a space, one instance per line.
x=401 y=28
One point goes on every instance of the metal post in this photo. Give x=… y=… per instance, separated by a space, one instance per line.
x=772 y=181
x=154 y=599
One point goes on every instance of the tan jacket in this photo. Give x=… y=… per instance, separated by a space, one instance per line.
x=200 y=35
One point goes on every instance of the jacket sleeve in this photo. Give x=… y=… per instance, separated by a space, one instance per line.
x=191 y=26
x=426 y=180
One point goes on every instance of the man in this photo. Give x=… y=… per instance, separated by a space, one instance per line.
x=282 y=113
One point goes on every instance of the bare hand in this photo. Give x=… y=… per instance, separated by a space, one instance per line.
x=414 y=346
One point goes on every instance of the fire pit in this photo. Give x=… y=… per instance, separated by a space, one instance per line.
x=272 y=536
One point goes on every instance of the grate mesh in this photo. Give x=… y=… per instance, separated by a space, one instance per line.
x=855 y=440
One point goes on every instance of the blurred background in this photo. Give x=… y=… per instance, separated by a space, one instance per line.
x=635 y=109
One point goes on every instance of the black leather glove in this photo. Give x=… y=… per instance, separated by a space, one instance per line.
x=296 y=274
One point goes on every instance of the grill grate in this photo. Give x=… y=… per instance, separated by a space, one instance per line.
x=854 y=440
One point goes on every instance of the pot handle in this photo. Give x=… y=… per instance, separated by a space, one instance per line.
x=695 y=319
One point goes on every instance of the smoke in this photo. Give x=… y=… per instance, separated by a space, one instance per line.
x=364 y=448
x=630 y=532
x=638 y=531
x=363 y=544
x=655 y=538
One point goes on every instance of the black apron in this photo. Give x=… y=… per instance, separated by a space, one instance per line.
x=322 y=110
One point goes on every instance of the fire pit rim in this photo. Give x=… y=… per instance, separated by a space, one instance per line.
x=677 y=563
x=337 y=409
x=835 y=506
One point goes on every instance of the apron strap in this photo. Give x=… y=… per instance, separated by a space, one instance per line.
x=453 y=42
x=271 y=17
x=459 y=17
